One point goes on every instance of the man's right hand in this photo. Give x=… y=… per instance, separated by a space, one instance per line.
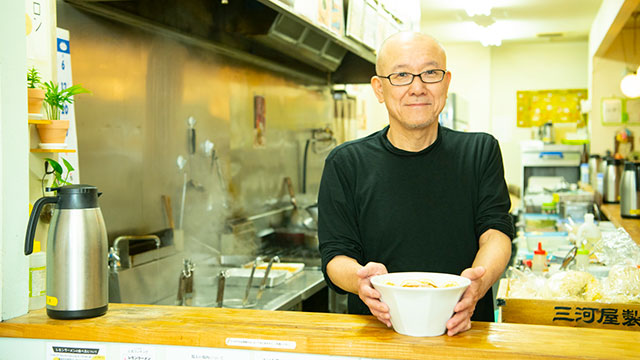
x=369 y=295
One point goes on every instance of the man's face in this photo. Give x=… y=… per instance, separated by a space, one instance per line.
x=414 y=106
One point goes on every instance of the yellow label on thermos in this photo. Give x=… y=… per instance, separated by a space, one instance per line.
x=53 y=301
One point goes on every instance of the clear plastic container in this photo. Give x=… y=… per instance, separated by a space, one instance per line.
x=582 y=259
x=37 y=277
x=588 y=233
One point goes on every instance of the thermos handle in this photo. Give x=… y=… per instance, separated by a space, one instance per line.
x=33 y=221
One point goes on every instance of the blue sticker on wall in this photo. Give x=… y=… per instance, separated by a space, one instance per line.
x=63 y=46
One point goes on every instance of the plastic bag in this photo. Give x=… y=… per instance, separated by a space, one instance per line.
x=622 y=285
x=617 y=248
x=573 y=285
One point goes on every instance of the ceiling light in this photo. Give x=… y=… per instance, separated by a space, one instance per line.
x=477 y=7
x=630 y=86
x=489 y=36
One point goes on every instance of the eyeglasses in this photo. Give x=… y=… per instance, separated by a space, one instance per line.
x=406 y=78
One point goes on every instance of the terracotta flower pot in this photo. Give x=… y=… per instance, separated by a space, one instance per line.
x=56 y=132
x=35 y=100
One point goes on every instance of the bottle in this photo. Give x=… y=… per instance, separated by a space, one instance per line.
x=37 y=277
x=584 y=173
x=582 y=259
x=539 y=263
x=588 y=233
x=600 y=183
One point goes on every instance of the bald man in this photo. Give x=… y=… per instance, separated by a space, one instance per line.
x=415 y=196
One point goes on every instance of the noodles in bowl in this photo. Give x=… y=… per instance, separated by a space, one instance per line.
x=421 y=283
x=420 y=303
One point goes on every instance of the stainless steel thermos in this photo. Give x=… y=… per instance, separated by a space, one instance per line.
x=77 y=269
x=630 y=190
x=612 y=176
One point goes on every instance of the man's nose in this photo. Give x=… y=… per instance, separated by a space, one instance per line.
x=417 y=87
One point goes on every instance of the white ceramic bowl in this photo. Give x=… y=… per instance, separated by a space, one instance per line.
x=420 y=311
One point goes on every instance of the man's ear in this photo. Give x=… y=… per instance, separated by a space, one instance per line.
x=376 y=84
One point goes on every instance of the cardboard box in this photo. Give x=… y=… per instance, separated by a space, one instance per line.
x=589 y=314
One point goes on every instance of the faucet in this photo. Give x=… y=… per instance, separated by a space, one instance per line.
x=114 y=251
x=185 y=284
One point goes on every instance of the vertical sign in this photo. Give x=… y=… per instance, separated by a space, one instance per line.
x=37 y=21
x=64 y=81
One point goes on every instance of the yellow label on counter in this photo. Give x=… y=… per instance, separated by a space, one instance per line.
x=53 y=301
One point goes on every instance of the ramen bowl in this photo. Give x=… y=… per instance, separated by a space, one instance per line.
x=417 y=308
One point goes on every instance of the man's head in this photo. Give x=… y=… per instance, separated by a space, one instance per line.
x=416 y=105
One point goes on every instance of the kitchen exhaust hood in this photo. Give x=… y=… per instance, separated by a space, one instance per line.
x=264 y=33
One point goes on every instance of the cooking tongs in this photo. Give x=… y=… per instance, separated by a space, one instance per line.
x=245 y=301
x=571 y=255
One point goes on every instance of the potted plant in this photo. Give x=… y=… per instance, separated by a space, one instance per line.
x=55 y=98
x=58 y=181
x=57 y=172
x=35 y=94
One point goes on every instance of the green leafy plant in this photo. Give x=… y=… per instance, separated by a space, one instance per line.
x=33 y=78
x=55 y=98
x=57 y=172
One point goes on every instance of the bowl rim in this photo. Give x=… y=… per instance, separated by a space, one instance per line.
x=376 y=278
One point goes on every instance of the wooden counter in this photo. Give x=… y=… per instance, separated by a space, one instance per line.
x=632 y=226
x=316 y=333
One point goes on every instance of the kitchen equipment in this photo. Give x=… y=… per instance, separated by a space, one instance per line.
x=630 y=190
x=546 y=133
x=185 y=284
x=571 y=255
x=266 y=276
x=594 y=168
x=191 y=147
x=612 y=177
x=176 y=235
x=77 y=270
x=549 y=160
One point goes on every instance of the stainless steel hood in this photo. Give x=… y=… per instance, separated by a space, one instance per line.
x=263 y=33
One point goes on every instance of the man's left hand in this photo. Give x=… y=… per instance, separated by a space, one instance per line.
x=461 y=319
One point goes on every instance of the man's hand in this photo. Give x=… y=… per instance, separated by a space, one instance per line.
x=461 y=319
x=369 y=295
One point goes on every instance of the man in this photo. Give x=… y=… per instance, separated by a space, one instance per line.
x=415 y=196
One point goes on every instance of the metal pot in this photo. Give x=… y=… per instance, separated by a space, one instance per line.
x=311 y=240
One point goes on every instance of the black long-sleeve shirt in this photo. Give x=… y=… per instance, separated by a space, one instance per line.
x=413 y=211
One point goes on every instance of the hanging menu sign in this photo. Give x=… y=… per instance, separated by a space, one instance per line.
x=65 y=80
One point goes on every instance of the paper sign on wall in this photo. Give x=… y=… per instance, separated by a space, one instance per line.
x=37 y=23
